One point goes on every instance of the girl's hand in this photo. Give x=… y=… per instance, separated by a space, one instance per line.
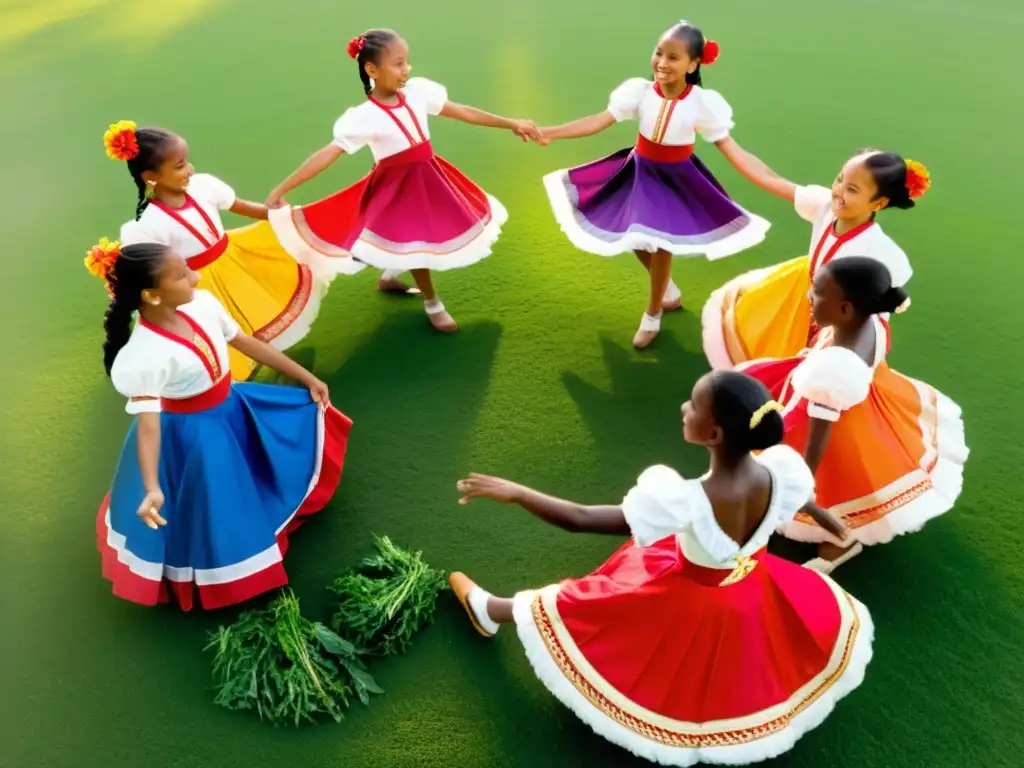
x=527 y=131
x=149 y=509
x=318 y=391
x=276 y=200
x=486 y=487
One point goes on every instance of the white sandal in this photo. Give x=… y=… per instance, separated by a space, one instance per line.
x=649 y=329
x=439 y=317
x=821 y=565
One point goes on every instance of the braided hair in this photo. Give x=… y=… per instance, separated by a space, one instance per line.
x=867 y=285
x=693 y=40
x=371 y=44
x=890 y=173
x=153 y=144
x=735 y=398
x=137 y=268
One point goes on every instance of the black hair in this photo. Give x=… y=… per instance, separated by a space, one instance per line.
x=867 y=285
x=153 y=144
x=374 y=43
x=693 y=39
x=735 y=398
x=890 y=173
x=136 y=269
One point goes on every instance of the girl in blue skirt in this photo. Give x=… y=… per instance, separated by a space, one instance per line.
x=213 y=475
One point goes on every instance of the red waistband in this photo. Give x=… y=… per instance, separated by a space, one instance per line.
x=204 y=401
x=210 y=255
x=711 y=577
x=417 y=153
x=662 y=153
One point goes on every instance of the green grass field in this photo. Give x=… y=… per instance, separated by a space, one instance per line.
x=541 y=383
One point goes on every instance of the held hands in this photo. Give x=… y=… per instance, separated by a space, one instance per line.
x=149 y=509
x=275 y=200
x=528 y=131
x=486 y=487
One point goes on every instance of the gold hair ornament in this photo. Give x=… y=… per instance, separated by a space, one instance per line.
x=763 y=411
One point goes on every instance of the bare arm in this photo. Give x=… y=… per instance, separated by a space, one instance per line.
x=148 y=437
x=475 y=116
x=817 y=441
x=567 y=515
x=826 y=520
x=249 y=209
x=314 y=165
x=263 y=353
x=756 y=171
x=585 y=126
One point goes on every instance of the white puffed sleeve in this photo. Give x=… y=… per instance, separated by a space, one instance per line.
x=795 y=481
x=433 y=94
x=811 y=202
x=217 y=314
x=832 y=380
x=659 y=505
x=894 y=258
x=139 y=378
x=212 y=191
x=714 y=120
x=624 y=103
x=351 y=131
x=135 y=232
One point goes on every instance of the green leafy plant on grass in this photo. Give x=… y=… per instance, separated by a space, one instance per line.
x=386 y=599
x=285 y=667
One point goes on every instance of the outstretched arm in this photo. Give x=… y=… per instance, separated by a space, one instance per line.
x=585 y=126
x=567 y=515
x=263 y=353
x=314 y=165
x=249 y=209
x=525 y=129
x=755 y=170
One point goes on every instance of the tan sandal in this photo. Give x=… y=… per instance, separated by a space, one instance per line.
x=462 y=585
x=440 y=319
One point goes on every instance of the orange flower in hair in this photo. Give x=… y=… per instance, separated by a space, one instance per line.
x=100 y=259
x=120 y=140
x=918 y=179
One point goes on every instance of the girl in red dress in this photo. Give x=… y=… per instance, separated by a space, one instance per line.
x=414 y=210
x=691 y=643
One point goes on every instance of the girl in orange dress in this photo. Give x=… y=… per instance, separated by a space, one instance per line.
x=691 y=643
x=888 y=451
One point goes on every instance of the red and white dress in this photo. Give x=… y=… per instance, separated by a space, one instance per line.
x=687 y=647
x=414 y=210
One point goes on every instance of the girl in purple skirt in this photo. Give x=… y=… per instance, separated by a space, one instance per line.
x=656 y=198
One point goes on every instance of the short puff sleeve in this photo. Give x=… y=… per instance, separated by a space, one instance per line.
x=895 y=260
x=795 y=482
x=714 y=121
x=433 y=94
x=351 y=131
x=212 y=308
x=138 y=379
x=624 y=103
x=136 y=232
x=213 y=191
x=811 y=202
x=660 y=504
x=832 y=380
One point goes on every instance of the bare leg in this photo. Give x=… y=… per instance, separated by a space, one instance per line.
x=499 y=609
x=438 y=315
x=486 y=612
x=650 y=324
x=672 y=299
x=831 y=556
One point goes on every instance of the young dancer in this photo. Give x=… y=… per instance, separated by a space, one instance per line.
x=691 y=643
x=888 y=451
x=213 y=476
x=766 y=312
x=657 y=198
x=268 y=293
x=414 y=211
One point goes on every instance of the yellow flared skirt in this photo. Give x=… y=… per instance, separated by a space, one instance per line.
x=270 y=295
x=765 y=313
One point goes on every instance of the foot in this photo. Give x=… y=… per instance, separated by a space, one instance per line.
x=394 y=285
x=649 y=329
x=673 y=299
x=831 y=556
x=439 y=317
x=474 y=601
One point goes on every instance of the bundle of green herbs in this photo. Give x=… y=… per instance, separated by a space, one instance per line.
x=386 y=599
x=285 y=667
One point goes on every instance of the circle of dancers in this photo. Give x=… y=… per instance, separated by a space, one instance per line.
x=690 y=643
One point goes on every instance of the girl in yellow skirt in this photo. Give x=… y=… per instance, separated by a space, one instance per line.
x=766 y=312
x=887 y=451
x=270 y=295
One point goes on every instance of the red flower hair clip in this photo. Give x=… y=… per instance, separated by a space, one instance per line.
x=355 y=45
x=918 y=179
x=711 y=52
